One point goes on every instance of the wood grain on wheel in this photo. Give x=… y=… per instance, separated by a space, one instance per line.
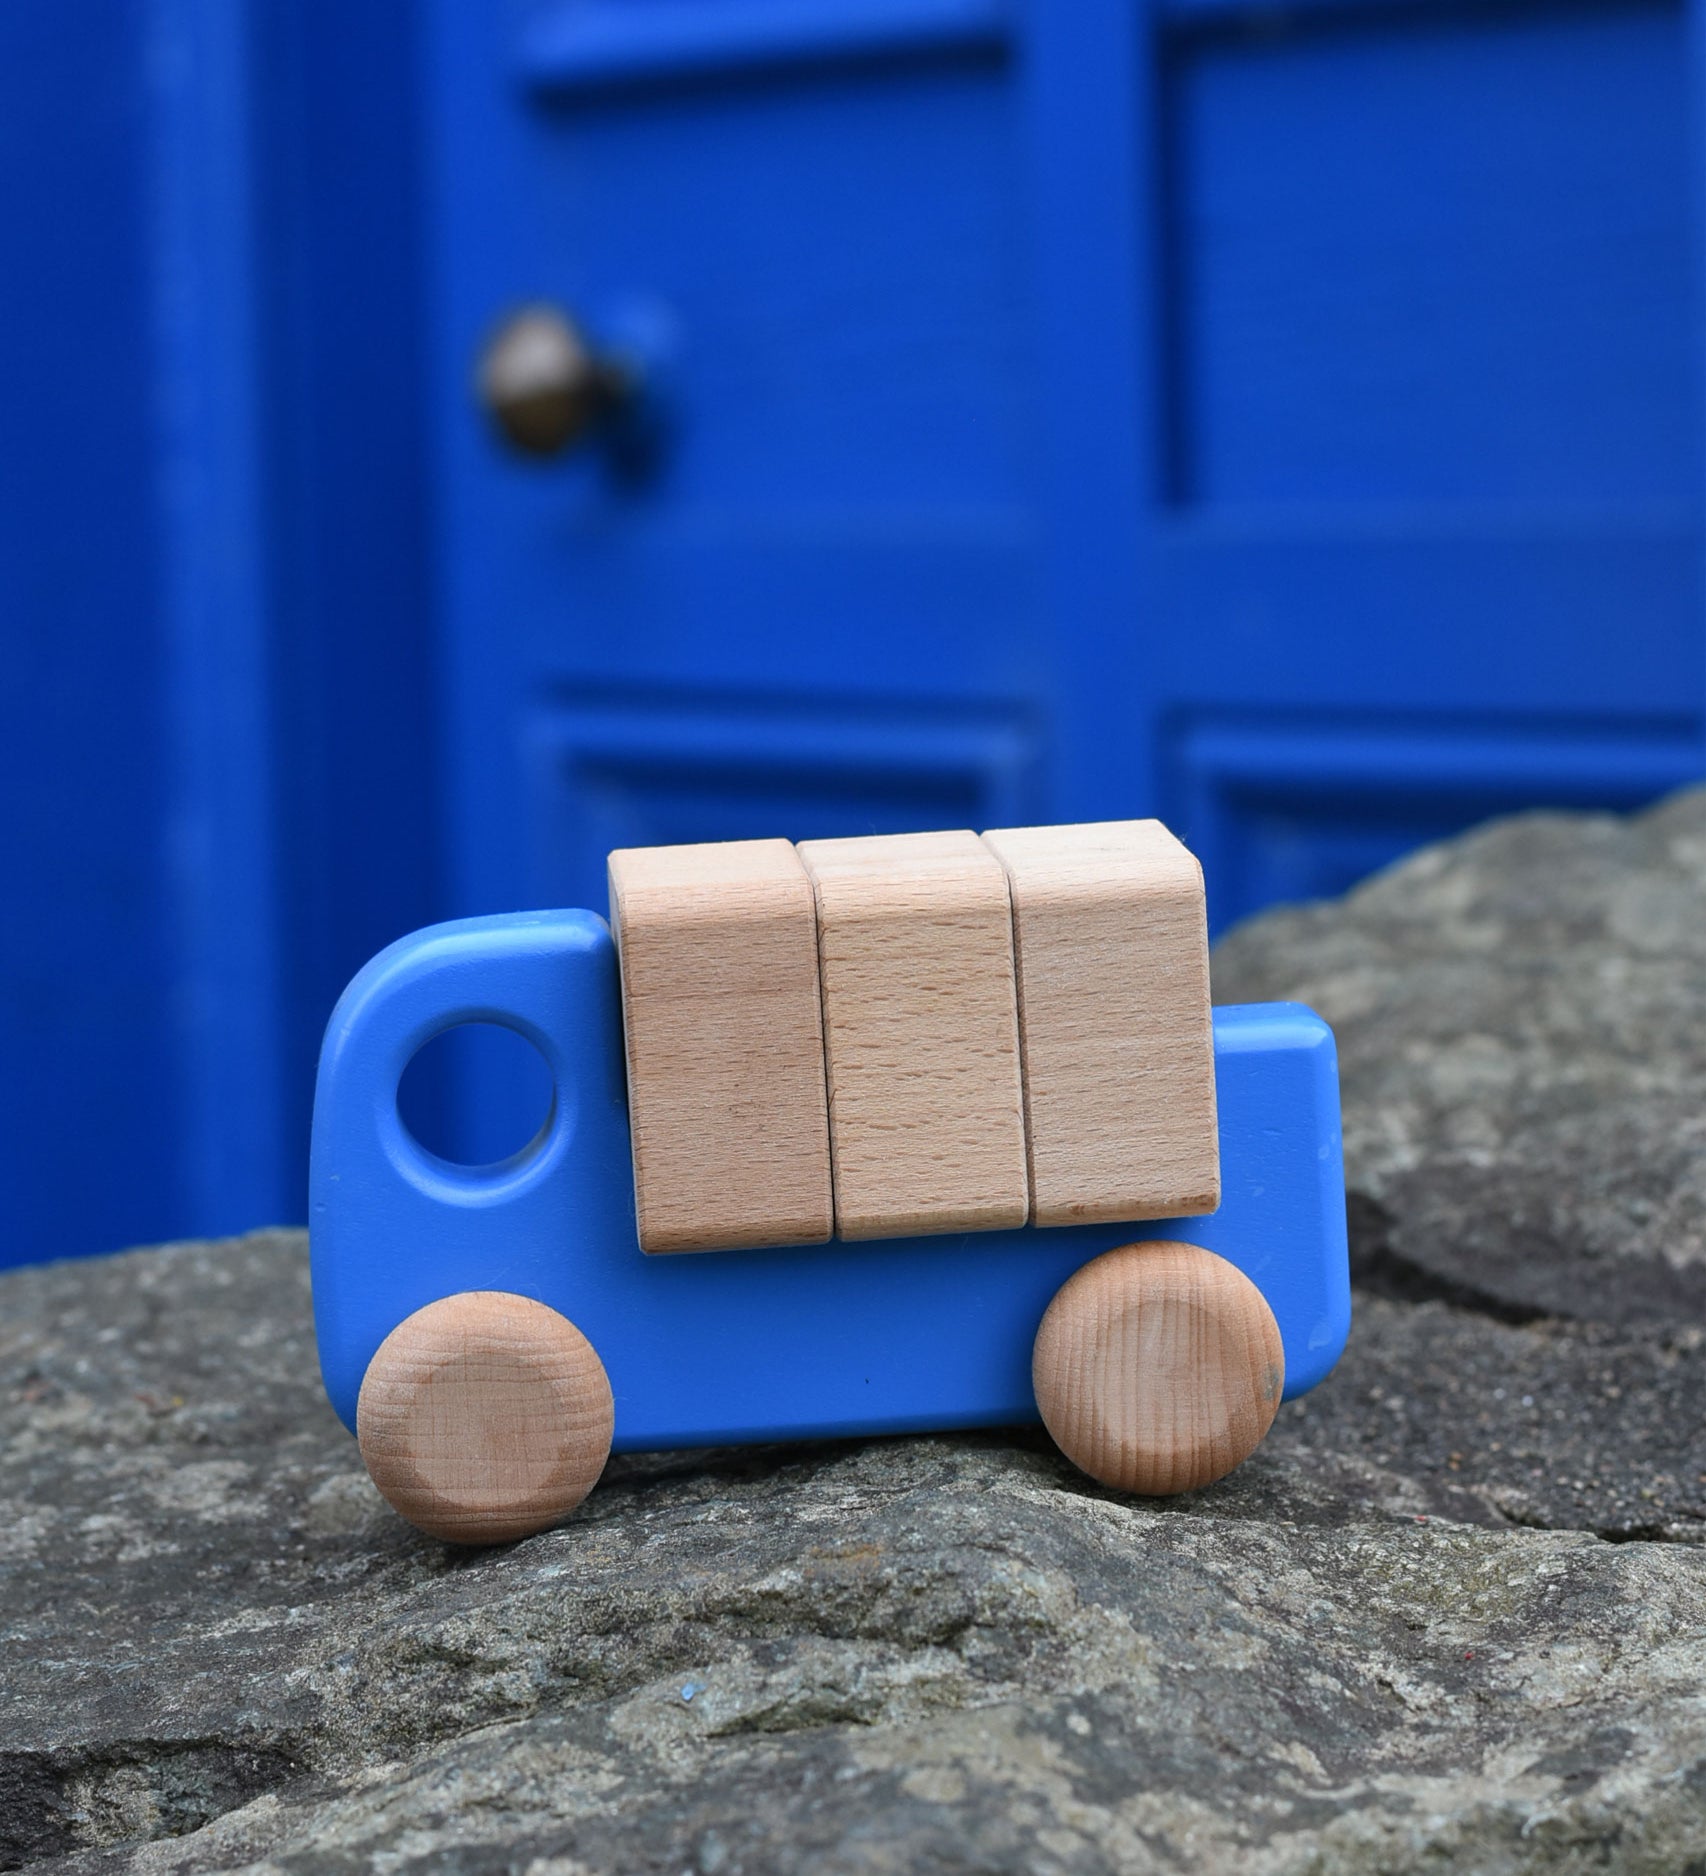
x=1158 y=1367
x=485 y=1417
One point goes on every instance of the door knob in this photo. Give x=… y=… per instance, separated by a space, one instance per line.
x=544 y=385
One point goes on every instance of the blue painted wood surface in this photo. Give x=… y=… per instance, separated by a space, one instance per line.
x=86 y=951
x=215 y=747
x=1283 y=418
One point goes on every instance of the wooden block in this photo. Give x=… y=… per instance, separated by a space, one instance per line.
x=724 y=1037
x=1111 y=944
x=484 y=1417
x=921 y=1039
x=1158 y=1368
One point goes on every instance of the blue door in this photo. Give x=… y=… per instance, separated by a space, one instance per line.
x=1283 y=418
x=1287 y=422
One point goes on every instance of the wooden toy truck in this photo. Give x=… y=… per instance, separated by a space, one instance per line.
x=863 y=1136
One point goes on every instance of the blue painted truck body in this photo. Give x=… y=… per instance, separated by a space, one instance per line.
x=902 y=1335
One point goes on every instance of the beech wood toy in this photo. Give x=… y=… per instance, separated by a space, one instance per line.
x=848 y=1138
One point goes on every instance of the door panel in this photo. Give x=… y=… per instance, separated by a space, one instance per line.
x=1291 y=808
x=640 y=770
x=1441 y=258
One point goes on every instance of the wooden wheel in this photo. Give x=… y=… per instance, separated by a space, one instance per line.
x=1158 y=1367
x=485 y=1417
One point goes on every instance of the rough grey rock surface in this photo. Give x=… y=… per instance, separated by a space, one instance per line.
x=1452 y=1614
x=1522 y=1028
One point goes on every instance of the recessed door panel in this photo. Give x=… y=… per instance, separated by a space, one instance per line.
x=1441 y=258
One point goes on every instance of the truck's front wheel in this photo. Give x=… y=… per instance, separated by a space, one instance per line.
x=485 y=1417
x=1158 y=1367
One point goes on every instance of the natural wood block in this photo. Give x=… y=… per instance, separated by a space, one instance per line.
x=1111 y=945
x=484 y=1417
x=921 y=1037
x=1158 y=1368
x=724 y=1037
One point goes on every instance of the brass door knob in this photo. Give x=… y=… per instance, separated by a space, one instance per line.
x=544 y=385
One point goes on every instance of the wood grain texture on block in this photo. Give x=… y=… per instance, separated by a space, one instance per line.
x=724 y=1038
x=1111 y=947
x=484 y=1417
x=921 y=1038
x=1158 y=1368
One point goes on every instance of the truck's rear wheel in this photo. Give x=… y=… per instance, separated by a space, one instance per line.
x=485 y=1417
x=1158 y=1367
